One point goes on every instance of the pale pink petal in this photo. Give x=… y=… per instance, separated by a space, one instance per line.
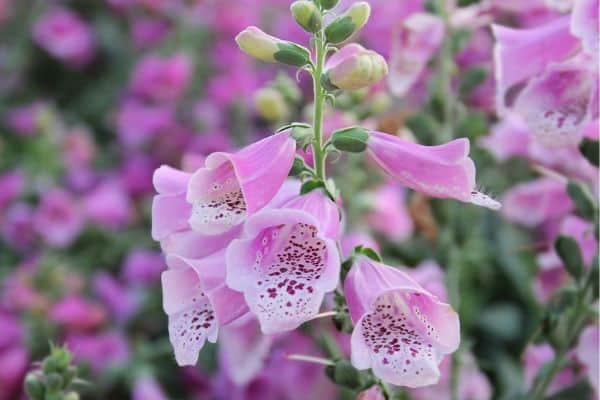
x=584 y=25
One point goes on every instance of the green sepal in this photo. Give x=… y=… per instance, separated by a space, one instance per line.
x=292 y=54
x=340 y=29
x=568 y=250
x=590 y=150
x=352 y=140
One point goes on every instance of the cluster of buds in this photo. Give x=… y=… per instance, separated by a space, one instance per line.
x=55 y=378
x=352 y=67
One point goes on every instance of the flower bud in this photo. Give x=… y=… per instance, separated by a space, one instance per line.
x=270 y=104
x=307 y=15
x=348 y=23
x=353 y=67
x=328 y=4
x=34 y=387
x=351 y=140
x=267 y=48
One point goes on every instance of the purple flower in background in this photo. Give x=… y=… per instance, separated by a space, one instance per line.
x=373 y=393
x=587 y=353
x=24 y=119
x=120 y=302
x=64 y=35
x=143 y=267
x=534 y=358
x=444 y=171
x=15 y=362
x=136 y=173
x=401 y=331
x=532 y=203
x=139 y=124
x=100 y=350
x=146 y=32
x=389 y=214
x=161 y=78
x=147 y=388
x=286 y=261
x=108 y=205
x=58 y=219
x=17 y=226
x=12 y=184
x=75 y=313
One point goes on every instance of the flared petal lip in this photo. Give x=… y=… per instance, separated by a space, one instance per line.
x=216 y=159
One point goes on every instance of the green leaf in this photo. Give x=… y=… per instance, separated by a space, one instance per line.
x=590 y=150
x=583 y=199
x=568 y=251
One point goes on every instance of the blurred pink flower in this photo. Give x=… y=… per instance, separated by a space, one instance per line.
x=64 y=35
x=24 y=119
x=58 y=218
x=15 y=362
x=147 y=388
x=17 y=226
x=161 y=78
x=121 y=302
x=389 y=214
x=100 y=350
x=108 y=205
x=373 y=393
x=138 y=123
x=147 y=32
x=534 y=358
x=587 y=353
x=12 y=184
x=143 y=267
x=74 y=313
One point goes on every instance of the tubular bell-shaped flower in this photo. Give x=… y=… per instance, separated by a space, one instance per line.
x=232 y=186
x=444 y=171
x=520 y=54
x=558 y=104
x=197 y=302
x=353 y=67
x=402 y=332
x=286 y=261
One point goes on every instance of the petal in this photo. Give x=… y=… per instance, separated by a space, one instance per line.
x=192 y=244
x=191 y=318
x=168 y=180
x=284 y=266
x=520 y=54
x=584 y=25
x=557 y=105
x=170 y=214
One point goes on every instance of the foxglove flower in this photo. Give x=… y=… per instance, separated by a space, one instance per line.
x=232 y=186
x=532 y=203
x=197 y=303
x=389 y=213
x=420 y=36
x=558 y=104
x=286 y=261
x=520 y=54
x=584 y=25
x=402 y=332
x=443 y=171
x=587 y=353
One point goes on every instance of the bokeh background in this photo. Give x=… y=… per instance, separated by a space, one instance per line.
x=96 y=94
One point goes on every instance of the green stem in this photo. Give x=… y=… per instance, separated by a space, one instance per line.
x=318 y=151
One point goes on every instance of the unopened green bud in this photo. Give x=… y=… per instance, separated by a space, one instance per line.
x=270 y=104
x=351 y=140
x=328 y=4
x=58 y=361
x=267 y=48
x=307 y=15
x=34 y=387
x=353 y=67
x=348 y=23
x=54 y=382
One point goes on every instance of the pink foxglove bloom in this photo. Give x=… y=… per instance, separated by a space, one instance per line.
x=100 y=350
x=520 y=54
x=389 y=214
x=587 y=353
x=161 y=79
x=12 y=184
x=58 y=218
x=243 y=349
x=197 y=303
x=77 y=313
x=65 y=36
x=532 y=203
x=142 y=267
x=402 y=332
x=233 y=186
x=508 y=138
x=558 y=104
x=584 y=25
x=444 y=171
x=420 y=36
x=286 y=261
x=109 y=205
x=146 y=387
